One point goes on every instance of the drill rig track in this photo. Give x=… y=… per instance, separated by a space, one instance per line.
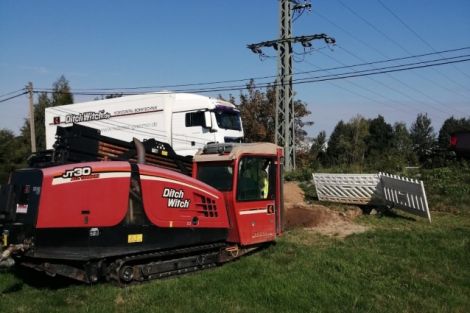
x=162 y=264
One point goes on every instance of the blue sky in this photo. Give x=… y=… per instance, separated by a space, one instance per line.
x=107 y=44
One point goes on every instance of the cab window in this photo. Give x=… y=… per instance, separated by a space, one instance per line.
x=256 y=179
x=218 y=176
x=194 y=119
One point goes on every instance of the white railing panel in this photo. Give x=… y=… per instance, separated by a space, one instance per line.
x=348 y=188
x=399 y=192
x=406 y=194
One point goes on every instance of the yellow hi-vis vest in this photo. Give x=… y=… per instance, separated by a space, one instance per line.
x=265 y=188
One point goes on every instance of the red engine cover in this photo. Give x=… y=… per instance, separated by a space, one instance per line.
x=175 y=200
x=84 y=195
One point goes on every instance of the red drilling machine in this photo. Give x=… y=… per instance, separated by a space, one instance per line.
x=96 y=208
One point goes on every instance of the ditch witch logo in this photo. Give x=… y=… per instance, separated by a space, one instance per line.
x=176 y=198
x=86 y=117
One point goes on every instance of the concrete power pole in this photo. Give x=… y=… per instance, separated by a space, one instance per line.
x=285 y=115
x=31 y=117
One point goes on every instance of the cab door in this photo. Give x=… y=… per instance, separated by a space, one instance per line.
x=255 y=199
x=190 y=132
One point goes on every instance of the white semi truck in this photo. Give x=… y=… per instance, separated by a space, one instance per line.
x=186 y=121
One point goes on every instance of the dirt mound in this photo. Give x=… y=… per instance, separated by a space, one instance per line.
x=312 y=216
x=317 y=217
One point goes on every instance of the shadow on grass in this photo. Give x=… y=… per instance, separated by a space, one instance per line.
x=37 y=280
x=393 y=214
x=383 y=211
x=18 y=286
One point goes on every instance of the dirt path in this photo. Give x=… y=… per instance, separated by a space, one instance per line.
x=316 y=217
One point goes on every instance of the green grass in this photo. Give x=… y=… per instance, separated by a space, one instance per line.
x=400 y=265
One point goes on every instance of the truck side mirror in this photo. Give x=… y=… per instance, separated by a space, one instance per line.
x=207 y=119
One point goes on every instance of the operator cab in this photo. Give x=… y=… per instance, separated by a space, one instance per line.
x=249 y=176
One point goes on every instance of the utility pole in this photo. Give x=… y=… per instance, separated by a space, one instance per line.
x=285 y=130
x=285 y=114
x=31 y=117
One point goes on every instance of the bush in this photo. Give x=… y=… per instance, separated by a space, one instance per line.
x=448 y=188
x=299 y=174
x=310 y=193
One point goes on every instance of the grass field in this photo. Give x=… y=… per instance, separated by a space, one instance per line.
x=399 y=265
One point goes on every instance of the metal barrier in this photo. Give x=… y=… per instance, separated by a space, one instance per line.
x=379 y=189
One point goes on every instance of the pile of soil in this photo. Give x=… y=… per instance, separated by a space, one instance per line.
x=316 y=217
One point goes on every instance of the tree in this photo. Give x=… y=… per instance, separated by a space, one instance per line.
x=258 y=111
x=397 y=154
x=347 y=144
x=12 y=154
x=339 y=145
x=300 y=112
x=359 y=128
x=369 y=144
x=423 y=138
x=61 y=95
x=39 y=123
x=318 y=150
x=380 y=137
x=402 y=145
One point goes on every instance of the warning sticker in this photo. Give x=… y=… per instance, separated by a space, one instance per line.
x=133 y=238
x=21 y=208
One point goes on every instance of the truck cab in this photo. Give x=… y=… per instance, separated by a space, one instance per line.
x=249 y=176
x=194 y=127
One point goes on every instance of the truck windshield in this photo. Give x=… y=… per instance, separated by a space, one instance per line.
x=218 y=176
x=228 y=119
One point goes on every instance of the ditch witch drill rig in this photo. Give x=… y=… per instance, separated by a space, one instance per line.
x=98 y=208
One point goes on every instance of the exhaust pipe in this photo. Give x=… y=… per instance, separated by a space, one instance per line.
x=139 y=147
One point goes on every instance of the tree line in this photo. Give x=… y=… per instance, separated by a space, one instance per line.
x=359 y=144
x=373 y=144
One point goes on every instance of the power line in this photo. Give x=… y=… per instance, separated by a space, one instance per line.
x=13 y=97
x=385 y=71
x=363 y=88
x=398 y=91
x=366 y=44
x=416 y=34
x=373 y=26
x=11 y=92
x=387 y=60
x=381 y=61
x=399 y=65
x=404 y=84
x=396 y=43
x=265 y=85
x=344 y=75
